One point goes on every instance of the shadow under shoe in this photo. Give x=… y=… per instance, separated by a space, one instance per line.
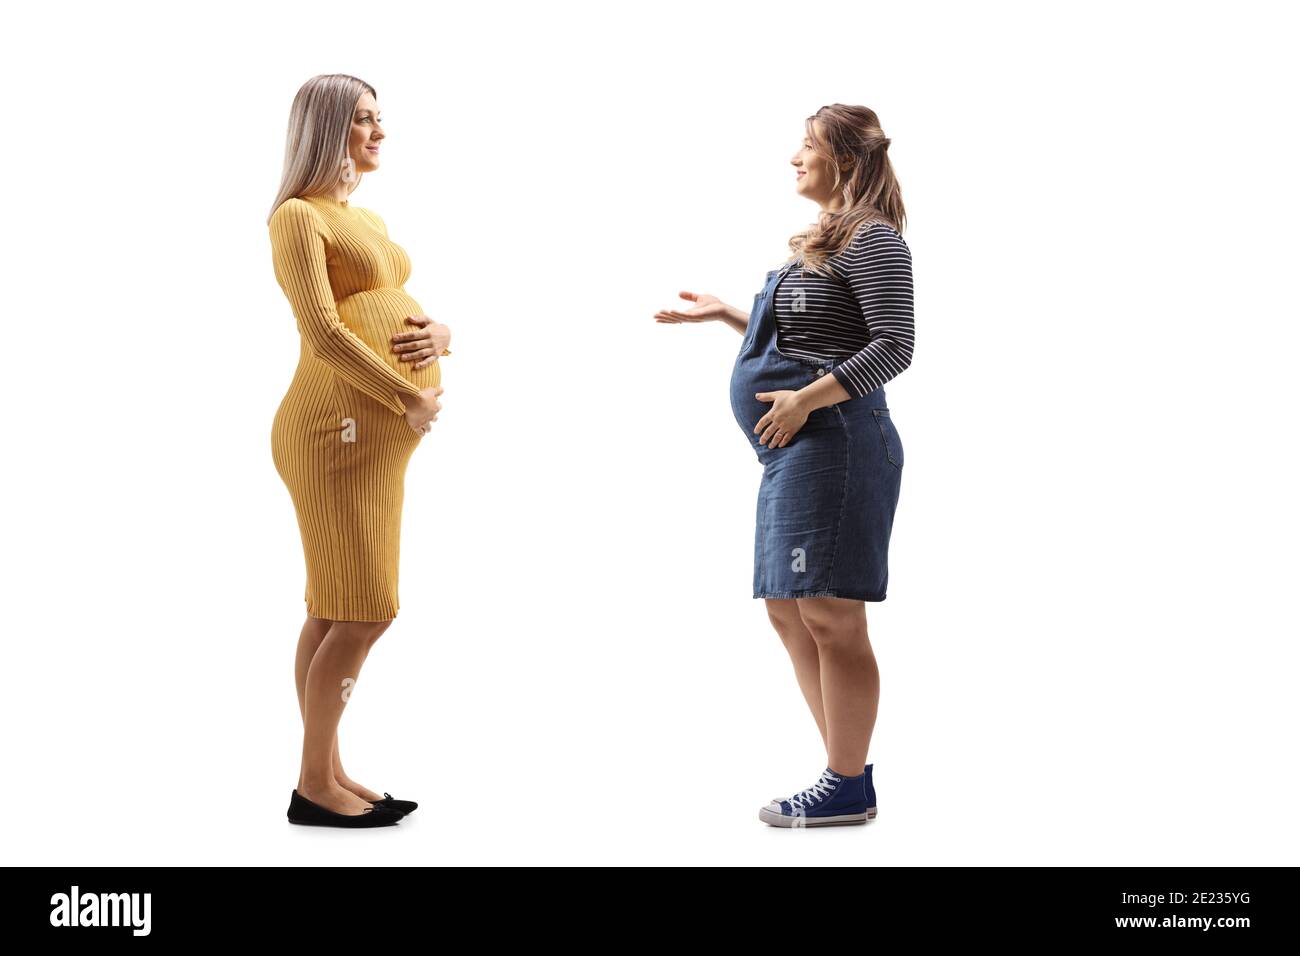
x=301 y=810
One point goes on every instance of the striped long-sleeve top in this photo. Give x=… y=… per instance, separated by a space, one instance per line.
x=862 y=313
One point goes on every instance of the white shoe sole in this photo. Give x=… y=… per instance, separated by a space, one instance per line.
x=773 y=818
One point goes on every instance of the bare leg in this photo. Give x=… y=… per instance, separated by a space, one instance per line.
x=850 y=679
x=346 y=782
x=799 y=643
x=313 y=633
x=333 y=669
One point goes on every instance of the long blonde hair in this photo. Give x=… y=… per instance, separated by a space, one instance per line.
x=317 y=142
x=849 y=136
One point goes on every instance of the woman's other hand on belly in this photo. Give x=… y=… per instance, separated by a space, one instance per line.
x=422 y=412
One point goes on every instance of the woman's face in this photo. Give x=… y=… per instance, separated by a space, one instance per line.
x=814 y=174
x=363 y=142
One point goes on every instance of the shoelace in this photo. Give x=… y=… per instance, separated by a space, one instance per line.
x=823 y=787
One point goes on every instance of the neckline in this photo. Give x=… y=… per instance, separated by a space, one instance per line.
x=331 y=200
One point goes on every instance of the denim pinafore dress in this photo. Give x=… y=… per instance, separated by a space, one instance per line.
x=826 y=501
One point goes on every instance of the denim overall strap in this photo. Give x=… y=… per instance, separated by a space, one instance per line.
x=760 y=332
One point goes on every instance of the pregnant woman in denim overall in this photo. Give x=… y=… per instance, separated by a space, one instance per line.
x=826 y=501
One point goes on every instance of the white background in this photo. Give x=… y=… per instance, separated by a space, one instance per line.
x=1089 y=647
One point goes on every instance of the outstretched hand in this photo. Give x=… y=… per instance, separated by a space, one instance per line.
x=707 y=308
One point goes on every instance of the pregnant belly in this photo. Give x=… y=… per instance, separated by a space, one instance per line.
x=375 y=315
x=772 y=372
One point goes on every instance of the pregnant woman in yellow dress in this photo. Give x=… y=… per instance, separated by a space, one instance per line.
x=365 y=392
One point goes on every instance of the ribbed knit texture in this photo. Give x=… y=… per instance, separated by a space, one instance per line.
x=862 y=312
x=340 y=440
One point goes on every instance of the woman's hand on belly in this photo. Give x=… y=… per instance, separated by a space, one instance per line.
x=425 y=345
x=783 y=420
x=422 y=412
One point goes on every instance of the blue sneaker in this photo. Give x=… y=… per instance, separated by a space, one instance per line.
x=834 y=800
x=867 y=785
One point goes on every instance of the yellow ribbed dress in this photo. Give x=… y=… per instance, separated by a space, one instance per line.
x=340 y=440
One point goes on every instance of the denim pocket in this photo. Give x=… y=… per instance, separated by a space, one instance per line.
x=889 y=434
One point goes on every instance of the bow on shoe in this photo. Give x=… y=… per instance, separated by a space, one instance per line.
x=401 y=806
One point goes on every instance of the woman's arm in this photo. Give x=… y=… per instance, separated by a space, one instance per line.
x=878 y=268
x=735 y=318
x=298 y=254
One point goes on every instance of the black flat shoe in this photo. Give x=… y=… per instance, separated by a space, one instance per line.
x=401 y=806
x=302 y=810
